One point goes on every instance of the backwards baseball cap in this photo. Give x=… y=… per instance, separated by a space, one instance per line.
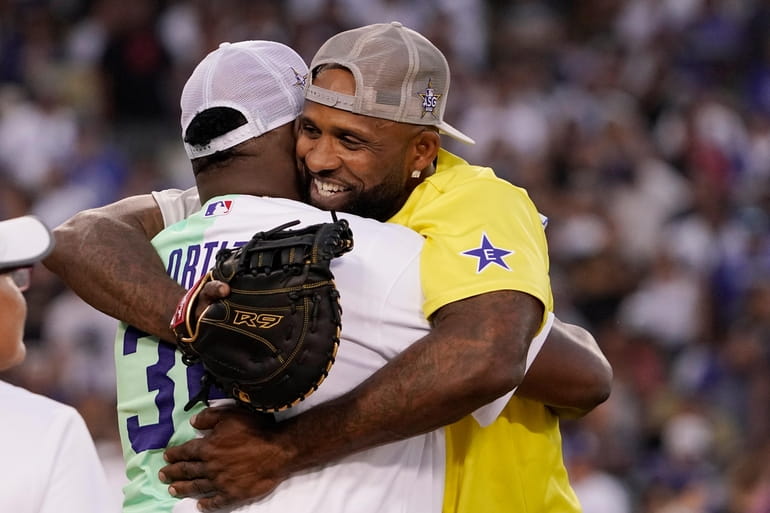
x=263 y=80
x=400 y=75
x=23 y=241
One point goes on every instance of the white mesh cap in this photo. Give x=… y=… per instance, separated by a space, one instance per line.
x=400 y=75
x=23 y=241
x=263 y=80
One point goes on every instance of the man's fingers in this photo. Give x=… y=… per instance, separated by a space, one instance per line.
x=182 y=471
x=188 y=451
x=195 y=488
x=208 y=418
x=215 y=502
x=211 y=292
x=215 y=290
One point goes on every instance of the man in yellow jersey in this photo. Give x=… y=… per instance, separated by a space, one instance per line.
x=369 y=141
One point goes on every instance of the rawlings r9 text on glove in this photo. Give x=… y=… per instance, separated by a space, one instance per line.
x=272 y=341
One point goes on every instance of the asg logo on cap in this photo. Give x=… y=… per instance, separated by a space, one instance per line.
x=430 y=99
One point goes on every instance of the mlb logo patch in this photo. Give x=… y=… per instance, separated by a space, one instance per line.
x=218 y=208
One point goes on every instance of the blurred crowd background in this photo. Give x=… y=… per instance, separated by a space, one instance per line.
x=641 y=128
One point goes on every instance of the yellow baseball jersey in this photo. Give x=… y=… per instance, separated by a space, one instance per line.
x=483 y=234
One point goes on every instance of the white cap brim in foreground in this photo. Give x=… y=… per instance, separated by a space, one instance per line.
x=23 y=241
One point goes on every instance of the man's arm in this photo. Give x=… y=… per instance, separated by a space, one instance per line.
x=570 y=373
x=444 y=376
x=467 y=360
x=105 y=256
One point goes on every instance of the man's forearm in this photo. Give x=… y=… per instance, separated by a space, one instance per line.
x=460 y=366
x=570 y=374
x=105 y=256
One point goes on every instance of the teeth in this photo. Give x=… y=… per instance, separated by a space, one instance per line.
x=328 y=188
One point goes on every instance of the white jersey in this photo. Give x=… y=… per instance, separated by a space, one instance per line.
x=381 y=315
x=50 y=464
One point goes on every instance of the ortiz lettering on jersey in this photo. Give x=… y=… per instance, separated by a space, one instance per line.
x=186 y=265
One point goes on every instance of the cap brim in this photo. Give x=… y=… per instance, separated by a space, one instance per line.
x=454 y=133
x=23 y=241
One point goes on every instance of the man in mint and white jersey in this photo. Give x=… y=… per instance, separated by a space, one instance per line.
x=381 y=298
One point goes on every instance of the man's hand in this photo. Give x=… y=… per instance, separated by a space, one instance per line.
x=211 y=292
x=239 y=459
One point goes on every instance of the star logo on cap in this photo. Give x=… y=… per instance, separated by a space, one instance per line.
x=300 y=79
x=488 y=254
x=430 y=100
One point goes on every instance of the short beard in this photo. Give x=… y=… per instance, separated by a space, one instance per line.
x=380 y=202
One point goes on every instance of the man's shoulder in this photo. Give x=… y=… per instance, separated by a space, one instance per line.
x=458 y=185
x=455 y=174
x=460 y=193
x=451 y=165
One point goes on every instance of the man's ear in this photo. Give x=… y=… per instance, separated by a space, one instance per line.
x=426 y=145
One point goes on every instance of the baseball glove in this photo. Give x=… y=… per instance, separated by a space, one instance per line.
x=272 y=341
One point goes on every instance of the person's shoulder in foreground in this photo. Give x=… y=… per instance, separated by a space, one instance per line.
x=51 y=461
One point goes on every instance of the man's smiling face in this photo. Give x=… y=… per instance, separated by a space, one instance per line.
x=357 y=164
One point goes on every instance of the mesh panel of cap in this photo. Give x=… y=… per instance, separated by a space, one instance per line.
x=400 y=75
x=263 y=80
